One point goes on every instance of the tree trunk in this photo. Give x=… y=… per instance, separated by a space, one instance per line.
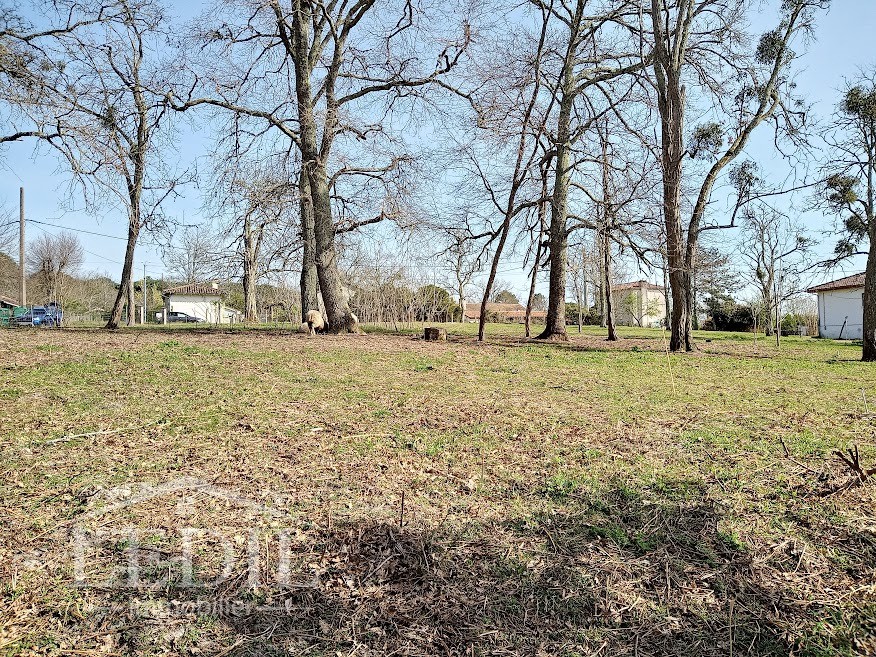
x=250 y=265
x=131 y=303
x=869 y=354
x=606 y=284
x=667 y=308
x=586 y=309
x=679 y=275
x=769 y=305
x=340 y=319
x=558 y=236
x=679 y=284
x=694 y=320
x=671 y=106
x=313 y=161
x=461 y=292
x=127 y=273
x=542 y=215
x=309 y=276
x=531 y=298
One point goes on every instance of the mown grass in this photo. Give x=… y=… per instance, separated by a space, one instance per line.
x=455 y=498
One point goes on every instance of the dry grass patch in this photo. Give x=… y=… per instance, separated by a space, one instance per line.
x=432 y=498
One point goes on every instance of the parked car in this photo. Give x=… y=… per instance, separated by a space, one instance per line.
x=176 y=316
x=41 y=316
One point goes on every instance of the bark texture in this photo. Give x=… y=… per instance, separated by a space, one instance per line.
x=309 y=276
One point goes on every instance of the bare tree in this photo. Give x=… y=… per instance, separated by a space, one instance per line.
x=697 y=41
x=464 y=261
x=193 y=257
x=52 y=260
x=307 y=68
x=509 y=113
x=28 y=67
x=597 y=46
x=775 y=250
x=579 y=276
x=8 y=227
x=104 y=95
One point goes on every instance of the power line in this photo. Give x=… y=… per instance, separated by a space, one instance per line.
x=97 y=255
x=78 y=230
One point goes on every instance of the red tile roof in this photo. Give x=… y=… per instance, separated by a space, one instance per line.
x=635 y=285
x=509 y=310
x=853 y=281
x=194 y=290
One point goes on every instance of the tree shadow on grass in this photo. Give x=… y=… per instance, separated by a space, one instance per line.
x=622 y=572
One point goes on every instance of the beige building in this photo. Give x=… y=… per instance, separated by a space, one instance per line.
x=639 y=304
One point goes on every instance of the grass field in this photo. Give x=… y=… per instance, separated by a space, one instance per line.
x=508 y=498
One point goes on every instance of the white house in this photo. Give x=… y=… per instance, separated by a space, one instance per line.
x=201 y=300
x=841 y=308
x=639 y=304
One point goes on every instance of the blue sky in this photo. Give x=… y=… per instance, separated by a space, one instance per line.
x=843 y=47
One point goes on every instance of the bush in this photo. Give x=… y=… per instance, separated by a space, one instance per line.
x=727 y=315
x=792 y=322
x=589 y=318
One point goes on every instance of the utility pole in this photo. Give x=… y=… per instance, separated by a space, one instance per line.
x=22 y=301
x=143 y=316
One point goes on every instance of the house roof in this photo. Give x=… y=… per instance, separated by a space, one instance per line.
x=511 y=310
x=8 y=301
x=853 y=281
x=494 y=307
x=194 y=290
x=635 y=285
x=503 y=309
x=474 y=309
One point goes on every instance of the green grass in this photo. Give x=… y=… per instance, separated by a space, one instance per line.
x=556 y=496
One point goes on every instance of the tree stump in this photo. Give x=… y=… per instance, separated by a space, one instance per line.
x=430 y=333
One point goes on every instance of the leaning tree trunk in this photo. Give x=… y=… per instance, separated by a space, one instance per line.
x=869 y=354
x=127 y=272
x=309 y=275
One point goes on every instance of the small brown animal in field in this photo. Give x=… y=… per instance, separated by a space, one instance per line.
x=315 y=322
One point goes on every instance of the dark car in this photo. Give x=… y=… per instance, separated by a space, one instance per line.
x=175 y=316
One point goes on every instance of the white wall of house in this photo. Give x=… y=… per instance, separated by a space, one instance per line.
x=838 y=307
x=205 y=307
x=640 y=306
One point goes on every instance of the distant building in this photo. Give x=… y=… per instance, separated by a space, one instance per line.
x=7 y=302
x=639 y=304
x=502 y=312
x=201 y=300
x=841 y=308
